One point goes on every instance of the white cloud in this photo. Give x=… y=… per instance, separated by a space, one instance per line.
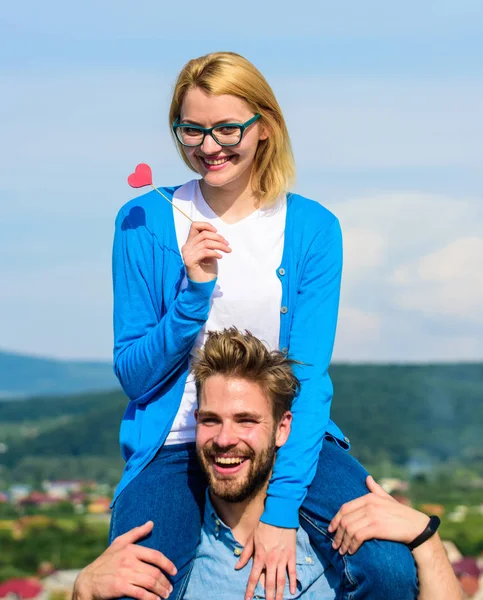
x=461 y=261
x=358 y=334
x=411 y=223
x=363 y=249
x=422 y=299
x=448 y=281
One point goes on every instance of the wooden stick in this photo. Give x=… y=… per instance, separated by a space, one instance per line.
x=172 y=203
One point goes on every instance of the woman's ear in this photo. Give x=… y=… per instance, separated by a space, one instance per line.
x=264 y=130
x=264 y=133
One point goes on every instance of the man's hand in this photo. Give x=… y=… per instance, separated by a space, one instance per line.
x=274 y=552
x=126 y=569
x=375 y=515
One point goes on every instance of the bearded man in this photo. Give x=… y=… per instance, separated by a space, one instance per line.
x=245 y=393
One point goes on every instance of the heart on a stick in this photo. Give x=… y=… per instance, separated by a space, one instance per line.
x=141 y=177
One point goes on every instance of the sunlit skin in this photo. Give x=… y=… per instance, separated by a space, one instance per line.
x=235 y=420
x=229 y=183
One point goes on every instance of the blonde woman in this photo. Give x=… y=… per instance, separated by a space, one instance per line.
x=257 y=257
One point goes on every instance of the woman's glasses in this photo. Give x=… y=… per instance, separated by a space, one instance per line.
x=228 y=134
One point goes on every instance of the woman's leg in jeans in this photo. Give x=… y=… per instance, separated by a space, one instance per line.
x=170 y=491
x=379 y=570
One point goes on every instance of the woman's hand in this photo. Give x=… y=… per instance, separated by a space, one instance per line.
x=274 y=552
x=126 y=569
x=375 y=515
x=202 y=250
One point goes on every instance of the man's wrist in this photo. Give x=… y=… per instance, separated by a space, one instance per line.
x=82 y=590
x=430 y=529
x=426 y=551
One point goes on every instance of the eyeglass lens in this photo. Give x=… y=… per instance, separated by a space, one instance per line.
x=225 y=136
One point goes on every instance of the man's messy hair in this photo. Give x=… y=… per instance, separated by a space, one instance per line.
x=241 y=355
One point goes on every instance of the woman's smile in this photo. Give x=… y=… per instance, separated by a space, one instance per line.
x=215 y=163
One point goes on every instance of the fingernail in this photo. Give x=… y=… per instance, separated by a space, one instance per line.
x=171 y=588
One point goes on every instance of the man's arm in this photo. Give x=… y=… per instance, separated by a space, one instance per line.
x=378 y=515
x=126 y=569
x=436 y=576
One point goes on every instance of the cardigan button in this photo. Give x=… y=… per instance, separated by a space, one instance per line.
x=284 y=310
x=284 y=350
x=281 y=271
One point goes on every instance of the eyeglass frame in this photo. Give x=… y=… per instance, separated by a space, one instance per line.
x=209 y=131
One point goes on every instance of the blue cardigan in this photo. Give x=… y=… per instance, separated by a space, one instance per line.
x=156 y=325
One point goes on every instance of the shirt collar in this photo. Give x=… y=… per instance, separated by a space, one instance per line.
x=215 y=526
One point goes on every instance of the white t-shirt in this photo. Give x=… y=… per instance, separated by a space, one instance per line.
x=248 y=293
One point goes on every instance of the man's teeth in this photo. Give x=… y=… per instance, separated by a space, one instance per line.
x=228 y=460
x=217 y=161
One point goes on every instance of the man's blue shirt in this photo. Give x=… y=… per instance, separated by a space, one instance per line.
x=214 y=576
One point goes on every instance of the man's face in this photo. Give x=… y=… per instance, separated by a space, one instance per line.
x=236 y=437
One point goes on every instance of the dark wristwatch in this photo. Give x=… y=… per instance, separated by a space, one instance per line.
x=431 y=528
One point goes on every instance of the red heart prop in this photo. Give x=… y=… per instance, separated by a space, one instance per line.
x=142 y=176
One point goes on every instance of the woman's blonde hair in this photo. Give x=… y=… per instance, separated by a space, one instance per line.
x=229 y=73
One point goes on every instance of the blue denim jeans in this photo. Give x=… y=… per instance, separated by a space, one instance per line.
x=171 y=492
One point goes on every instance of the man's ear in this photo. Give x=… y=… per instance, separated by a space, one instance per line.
x=196 y=415
x=283 y=429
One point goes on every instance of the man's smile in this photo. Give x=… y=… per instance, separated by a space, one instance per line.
x=228 y=464
x=227 y=460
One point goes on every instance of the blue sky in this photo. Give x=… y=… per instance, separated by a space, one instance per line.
x=394 y=91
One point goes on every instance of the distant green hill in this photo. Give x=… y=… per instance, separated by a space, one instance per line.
x=411 y=412
x=62 y=438
x=22 y=375
x=397 y=413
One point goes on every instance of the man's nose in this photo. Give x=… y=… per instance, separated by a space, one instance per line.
x=226 y=436
x=210 y=145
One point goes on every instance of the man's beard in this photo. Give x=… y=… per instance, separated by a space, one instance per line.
x=233 y=489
